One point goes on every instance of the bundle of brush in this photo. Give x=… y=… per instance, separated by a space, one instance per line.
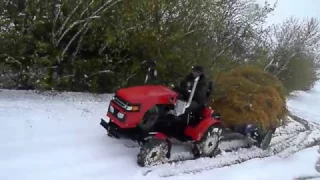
x=248 y=95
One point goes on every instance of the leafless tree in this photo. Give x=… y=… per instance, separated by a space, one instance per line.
x=235 y=25
x=290 y=39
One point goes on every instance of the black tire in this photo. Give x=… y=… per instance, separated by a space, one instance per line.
x=209 y=143
x=153 y=152
x=149 y=119
x=265 y=141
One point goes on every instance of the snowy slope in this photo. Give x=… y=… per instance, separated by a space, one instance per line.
x=44 y=138
x=307 y=104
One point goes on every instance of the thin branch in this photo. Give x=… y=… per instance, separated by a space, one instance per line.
x=69 y=17
x=71 y=41
x=93 y=16
x=84 y=11
x=74 y=24
x=99 y=72
x=79 y=44
x=55 y=23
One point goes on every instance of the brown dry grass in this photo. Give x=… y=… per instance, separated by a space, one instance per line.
x=249 y=95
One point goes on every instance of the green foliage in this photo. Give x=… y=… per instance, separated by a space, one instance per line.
x=99 y=46
x=300 y=74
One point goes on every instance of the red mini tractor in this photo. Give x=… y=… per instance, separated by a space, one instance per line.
x=153 y=114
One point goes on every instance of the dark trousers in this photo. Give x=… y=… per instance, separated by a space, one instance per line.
x=194 y=107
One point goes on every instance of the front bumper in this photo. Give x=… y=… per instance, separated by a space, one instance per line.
x=114 y=130
x=111 y=128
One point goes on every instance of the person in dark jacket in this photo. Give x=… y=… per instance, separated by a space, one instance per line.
x=151 y=76
x=200 y=95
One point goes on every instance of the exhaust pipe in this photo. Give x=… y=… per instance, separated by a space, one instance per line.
x=192 y=91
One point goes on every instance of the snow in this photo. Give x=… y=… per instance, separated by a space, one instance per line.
x=59 y=137
x=299 y=164
x=307 y=104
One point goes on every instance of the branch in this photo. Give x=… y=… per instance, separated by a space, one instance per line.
x=74 y=24
x=190 y=32
x=84 y=11
x=55 y=24
x=286 y=63
x=79 y=43
x=93 y=16
x=222 y=51
x=192 y=22
x=71 y=41
x=99 y=72
x=69 y=17
x=64 y=77
x=268 y=65
x=131 y=76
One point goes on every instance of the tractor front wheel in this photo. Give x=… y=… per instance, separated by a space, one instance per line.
x=153 y=152
x=149 y=119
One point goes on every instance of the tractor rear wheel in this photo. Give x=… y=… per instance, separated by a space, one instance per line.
x=209 y=143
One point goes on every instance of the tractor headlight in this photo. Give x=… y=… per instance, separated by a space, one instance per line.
x=111 y=109
x=132 y=108
x=120 y=115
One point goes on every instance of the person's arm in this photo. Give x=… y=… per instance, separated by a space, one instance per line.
x=181 y=86
x=202 y=92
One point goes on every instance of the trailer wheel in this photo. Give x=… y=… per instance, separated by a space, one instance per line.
x=153 y=152
x=264 y=141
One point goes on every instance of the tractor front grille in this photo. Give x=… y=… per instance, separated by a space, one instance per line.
x=120 y=102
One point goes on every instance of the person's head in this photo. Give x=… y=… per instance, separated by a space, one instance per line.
x=197 y=71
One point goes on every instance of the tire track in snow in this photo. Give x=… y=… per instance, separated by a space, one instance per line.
x=297 y=135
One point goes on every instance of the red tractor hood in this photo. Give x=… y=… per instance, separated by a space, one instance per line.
x=140 y=94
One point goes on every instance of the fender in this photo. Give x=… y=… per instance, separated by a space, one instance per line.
x=207 y=112
x=197 y=132
x=161 y=135
x=158 y=135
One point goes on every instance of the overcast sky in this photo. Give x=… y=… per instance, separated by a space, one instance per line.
x=298 y=8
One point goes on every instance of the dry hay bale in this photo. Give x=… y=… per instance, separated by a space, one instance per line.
x=248 y=95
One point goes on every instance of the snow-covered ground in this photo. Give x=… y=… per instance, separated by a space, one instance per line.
x=306 y=104
x=49 y=138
